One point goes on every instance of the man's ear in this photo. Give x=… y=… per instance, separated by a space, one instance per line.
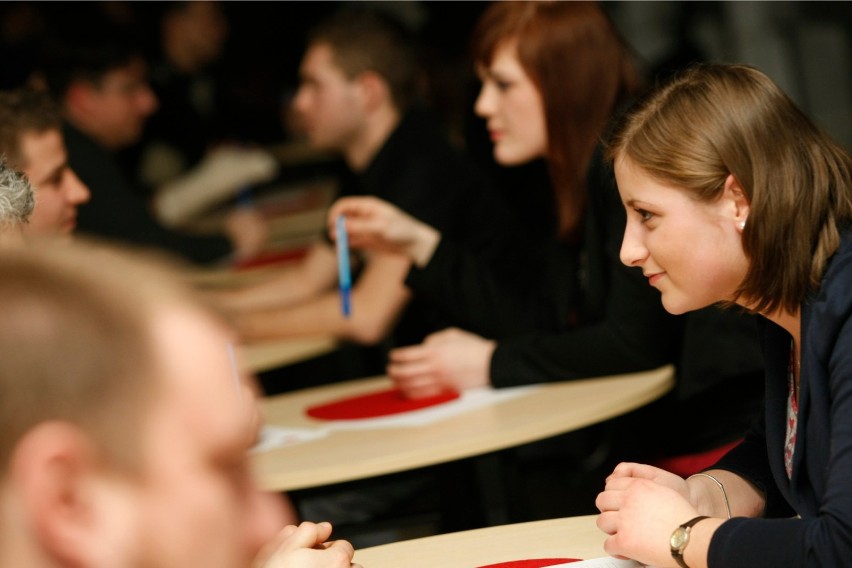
x=374 y=88
x=736 y=196
x=79 y=98
x=52 y=468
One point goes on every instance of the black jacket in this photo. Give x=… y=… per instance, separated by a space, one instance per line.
x=819 y=490
x=116 y=211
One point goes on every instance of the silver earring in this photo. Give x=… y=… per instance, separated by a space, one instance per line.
x=741 y=225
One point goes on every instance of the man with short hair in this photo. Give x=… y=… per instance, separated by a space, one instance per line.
x=359 y=97
x=125 y=427
x=16 y=204
x=31 y=139
x=99 y=77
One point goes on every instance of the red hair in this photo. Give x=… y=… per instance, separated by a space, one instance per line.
x=576 y=58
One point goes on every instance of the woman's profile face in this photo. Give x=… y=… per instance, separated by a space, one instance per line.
x=691 y=251
x=513 y=109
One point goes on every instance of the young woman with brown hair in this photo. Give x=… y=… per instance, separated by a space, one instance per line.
x=553 y=76
x=733 y=195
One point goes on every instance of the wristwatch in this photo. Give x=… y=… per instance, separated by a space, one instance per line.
x=680 y=538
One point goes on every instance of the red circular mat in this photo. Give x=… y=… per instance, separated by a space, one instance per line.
x=376 y=404
x=532 y=563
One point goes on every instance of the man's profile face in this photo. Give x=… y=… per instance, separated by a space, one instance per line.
x=120 y=104
x=58 y=190
x=195 y=502
x=329 y=104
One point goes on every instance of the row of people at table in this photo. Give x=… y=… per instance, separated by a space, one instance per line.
x=712 y=192
x=42 y=194
x=97 y=73
x=778 y=498
x=99 y=81
x=550 y=297
x=493 y=297
x=707 y=222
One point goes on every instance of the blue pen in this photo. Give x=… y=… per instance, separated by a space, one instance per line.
x=343 y=268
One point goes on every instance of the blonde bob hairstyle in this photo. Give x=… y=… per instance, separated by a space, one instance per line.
x=716 y=119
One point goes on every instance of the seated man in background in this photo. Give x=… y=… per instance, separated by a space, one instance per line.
x=358 y=96
x=126 y=428
x=16 y=204
x=98 y=76
x=31 y=139
x=197 y=150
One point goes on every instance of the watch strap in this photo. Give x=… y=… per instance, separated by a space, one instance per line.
x=677 y=553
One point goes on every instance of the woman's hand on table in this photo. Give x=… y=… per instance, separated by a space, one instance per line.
x=640 y=507
x=651 y=473
x=375 y=224
x=306 y=546
x=448 y=359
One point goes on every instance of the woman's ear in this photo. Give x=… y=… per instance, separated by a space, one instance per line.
x=733 y=192
x=53 y=466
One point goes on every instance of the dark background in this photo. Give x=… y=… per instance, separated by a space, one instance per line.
x=804 y=46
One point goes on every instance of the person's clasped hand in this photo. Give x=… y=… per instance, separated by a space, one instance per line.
x=451 y=359
x=640 y=507
x=377 y=225
x=306 y=546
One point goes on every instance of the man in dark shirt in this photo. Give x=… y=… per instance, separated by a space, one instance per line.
x=358 y=97
x=98 y=77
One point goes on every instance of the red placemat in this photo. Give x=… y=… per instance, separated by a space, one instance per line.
x=375 y=404
x=270 y=258
x=687 y=464
x=532 y=563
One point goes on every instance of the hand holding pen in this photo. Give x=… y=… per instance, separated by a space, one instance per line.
x=377 y=225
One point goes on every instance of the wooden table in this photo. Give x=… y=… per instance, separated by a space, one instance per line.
x=292 y=209
x=229 y=277
x=342 y=456
x=259 y=357
x=574 y=537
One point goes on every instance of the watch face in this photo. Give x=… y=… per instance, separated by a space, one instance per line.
x=679 y=538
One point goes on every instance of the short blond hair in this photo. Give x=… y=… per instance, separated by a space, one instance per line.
x=76 y=340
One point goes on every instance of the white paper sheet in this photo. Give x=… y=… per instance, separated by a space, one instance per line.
x=274 y=436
